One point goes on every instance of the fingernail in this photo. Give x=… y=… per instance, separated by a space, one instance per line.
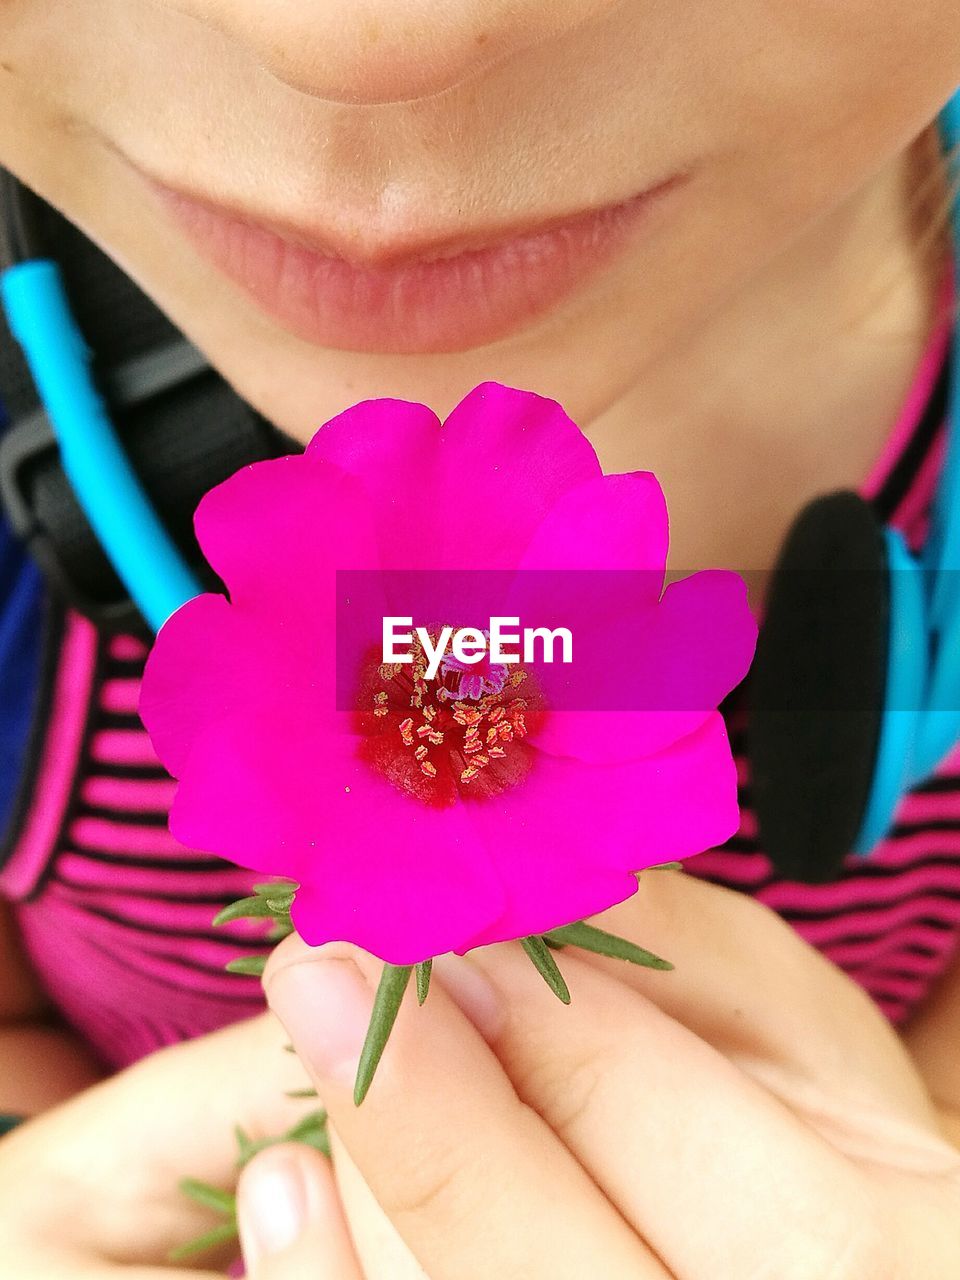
x=272 y=1206
x=325 y=1005
x=474 y=993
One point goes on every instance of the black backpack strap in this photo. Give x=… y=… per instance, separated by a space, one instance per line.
x=184 y=428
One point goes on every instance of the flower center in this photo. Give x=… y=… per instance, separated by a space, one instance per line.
x=457 y=736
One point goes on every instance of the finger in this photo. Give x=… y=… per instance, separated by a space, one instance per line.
x=697 y=1157
x=470 y=1177
x=381 y=1251
x=118 y=1151
x=85 y=1270
x=735 y=962
x=292 y=1226
x=78 y=1267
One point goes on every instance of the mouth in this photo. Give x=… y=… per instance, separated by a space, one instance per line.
x=415 y=292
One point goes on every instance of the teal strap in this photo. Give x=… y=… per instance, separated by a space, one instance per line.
x=147 y=562
x=8 y=1122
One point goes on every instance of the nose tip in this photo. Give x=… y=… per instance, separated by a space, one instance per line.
x=378 y=51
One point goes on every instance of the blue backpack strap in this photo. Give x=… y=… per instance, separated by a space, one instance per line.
x=181 y=426
x=22 y=609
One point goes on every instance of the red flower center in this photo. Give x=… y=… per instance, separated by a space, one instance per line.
x=457 y=736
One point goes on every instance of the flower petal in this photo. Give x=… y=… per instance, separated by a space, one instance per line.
x=502 y=459
x=427 y=885
x=611 y=737
x=208 y=662
x=376 y=867
x=583 y=829
x=277 y=532
x=644 y=674
x=606 y=522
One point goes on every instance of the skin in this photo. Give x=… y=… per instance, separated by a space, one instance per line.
x=698 y=1135
x=788 y=291
x=663 y=1126
x=788 y=261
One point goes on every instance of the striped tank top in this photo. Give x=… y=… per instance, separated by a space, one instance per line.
x=116 y=916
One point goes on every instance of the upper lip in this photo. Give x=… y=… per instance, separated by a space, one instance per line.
x=371 y=245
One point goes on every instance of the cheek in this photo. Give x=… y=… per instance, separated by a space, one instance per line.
x=838 y=86
x=794 y=106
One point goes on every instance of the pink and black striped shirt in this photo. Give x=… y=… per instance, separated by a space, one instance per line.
x=116 y=915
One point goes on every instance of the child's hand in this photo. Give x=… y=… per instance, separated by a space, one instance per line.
x=90 y=1189
x=292 y=1222
x=747 y=1115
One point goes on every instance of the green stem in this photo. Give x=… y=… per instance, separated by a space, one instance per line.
x=538 y=951
x=589 y=938
x=250 y=965
x=386 y=1006
x=224 y=1233
x=424 y=970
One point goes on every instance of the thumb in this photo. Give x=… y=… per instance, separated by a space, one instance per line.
x=117 y=1152
x=292 y=1226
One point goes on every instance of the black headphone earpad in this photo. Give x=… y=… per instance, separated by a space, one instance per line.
x=817 y=685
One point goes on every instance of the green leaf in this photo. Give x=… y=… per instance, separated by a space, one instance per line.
x=254 y=1149
x=279 y=906
x=225 y=1233
x=259 y=907
x=539 y=953
x=424 y=970
x=386 y=1006
x=210 y=1197
x=244 y=909
x=315 y=1120
x=246 y=1146
x=319 y=1139
x=311 y=1130
x=589 y=938
x=300 y=1093
x=250 y=965
x=282 y=929
x=665 y=866
x=276 y=889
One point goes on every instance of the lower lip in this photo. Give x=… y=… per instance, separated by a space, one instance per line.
x=447 y=304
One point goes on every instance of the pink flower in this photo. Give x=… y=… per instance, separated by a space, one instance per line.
x=474 y=680
x=427 y=815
